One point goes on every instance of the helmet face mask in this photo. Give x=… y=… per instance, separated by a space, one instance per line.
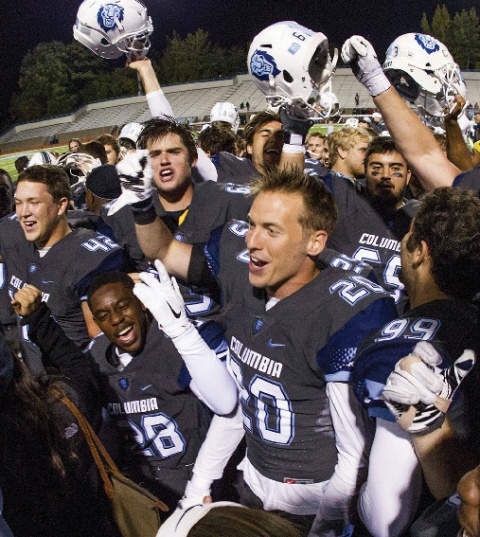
x=291 y=64
x=329 y=103
x=113 y=28
x=78 y=165
x=424 y=73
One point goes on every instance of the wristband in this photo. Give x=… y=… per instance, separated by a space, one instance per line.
x=292 y=149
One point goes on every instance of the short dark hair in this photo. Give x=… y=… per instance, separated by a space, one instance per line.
x=215 y=139
x=155 y=129
x=448 y=220
x=381 y=145
x=21 y=163
x=256 y=123
x=107 y=278
x=54 y=177
x=95 y=149
x=108 y=139
x=320 y=206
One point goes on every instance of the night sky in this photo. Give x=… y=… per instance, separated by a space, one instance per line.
x=25 y=23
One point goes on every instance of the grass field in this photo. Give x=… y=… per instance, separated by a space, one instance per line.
x=7 y=161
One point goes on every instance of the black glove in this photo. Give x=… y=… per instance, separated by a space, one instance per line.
x=296 y=123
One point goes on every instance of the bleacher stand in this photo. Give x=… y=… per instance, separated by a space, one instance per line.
x=192 y=102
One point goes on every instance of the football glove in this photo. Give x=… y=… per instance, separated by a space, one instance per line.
x=136 y=174
x=162 y=297
x=296 y=123
x=426 y=386
x=361 y=56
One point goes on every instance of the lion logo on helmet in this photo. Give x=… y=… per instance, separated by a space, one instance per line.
x=429 y=44
x=108 y=15
x=262 y=65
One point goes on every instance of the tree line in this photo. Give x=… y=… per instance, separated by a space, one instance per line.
x=57 y=78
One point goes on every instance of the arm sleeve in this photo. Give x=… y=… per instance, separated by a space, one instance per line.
x=389 y=498
x=211 y=382
x=223 y=437
x=352 y=438
x=206 y=168
x=158 y=104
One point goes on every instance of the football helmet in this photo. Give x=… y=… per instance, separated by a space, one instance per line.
x=329 y=104
x=291 y=64
x=110 y=28
x=78 y=165
x=352 y=122
x=424 y=73
x=227 y=113
x=41 y=157
x=130 y=133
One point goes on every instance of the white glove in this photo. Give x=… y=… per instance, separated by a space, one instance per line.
x=162 y=297
x=425 y=385
x=136 y=174
x=361 y=56
x=194 y=495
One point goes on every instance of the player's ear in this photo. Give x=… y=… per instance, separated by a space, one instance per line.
x=317 y=242
x=62 y=206
x=341 y=152
x=249 y=149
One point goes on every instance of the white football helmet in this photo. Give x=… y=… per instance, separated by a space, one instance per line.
x=424 y=73
x=78 y=165
x=41 y=157
x=227 y=113
x=291 y=64
x=329 y=103
x=110 y=28
x=130 y=132
x=352 y=122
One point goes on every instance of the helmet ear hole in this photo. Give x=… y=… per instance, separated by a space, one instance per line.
x=104 y=42
x=287 y=77
x=279 y=61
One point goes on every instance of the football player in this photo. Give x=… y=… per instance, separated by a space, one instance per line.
x=369 y=224
x=290 y=65
x=440 y=337
x=347 y=148
x=280 y=359
x=434 y=84
x=38 y=247
x=315 y=143
x=190 y=210
x=155 y=374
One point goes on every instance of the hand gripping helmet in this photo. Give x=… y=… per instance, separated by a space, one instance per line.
x=110 y=28
x=424 y=73
x=290 y=63
x=227 y=113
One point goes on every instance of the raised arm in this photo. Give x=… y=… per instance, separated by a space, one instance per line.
x=457 y=150
x=211 y=382
x=159 y=106
x=414 y=140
